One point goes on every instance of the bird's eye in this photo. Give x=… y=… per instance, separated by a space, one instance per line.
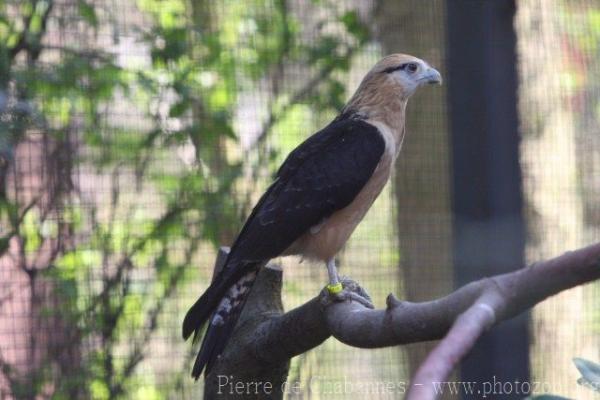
x=411 y=67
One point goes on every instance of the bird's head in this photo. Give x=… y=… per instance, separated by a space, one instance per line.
x=390 y=83
x=405 y=73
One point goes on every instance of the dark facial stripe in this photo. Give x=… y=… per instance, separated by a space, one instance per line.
x=396 y=68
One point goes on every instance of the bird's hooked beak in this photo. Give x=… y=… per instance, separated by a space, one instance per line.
x=431 y=76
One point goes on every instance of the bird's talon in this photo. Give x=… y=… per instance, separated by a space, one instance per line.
x=346 y=294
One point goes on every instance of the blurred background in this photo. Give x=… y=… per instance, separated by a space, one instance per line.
x=136 y=135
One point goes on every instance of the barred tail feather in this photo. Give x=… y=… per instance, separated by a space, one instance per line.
x=224 y=299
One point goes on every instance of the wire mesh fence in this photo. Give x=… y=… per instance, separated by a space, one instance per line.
x=559 y=57
x=135 y=136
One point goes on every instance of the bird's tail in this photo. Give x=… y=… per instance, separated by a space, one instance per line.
x=222 y=302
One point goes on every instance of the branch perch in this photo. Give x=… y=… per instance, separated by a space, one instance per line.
x=266 y=338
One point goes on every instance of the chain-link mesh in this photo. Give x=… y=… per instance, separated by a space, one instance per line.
x=135 y=136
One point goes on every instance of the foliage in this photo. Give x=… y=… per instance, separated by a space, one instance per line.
x=590 y=373
x=114 y=259
x=590 y=377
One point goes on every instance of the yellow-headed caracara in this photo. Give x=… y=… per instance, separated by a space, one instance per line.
x=320 y=194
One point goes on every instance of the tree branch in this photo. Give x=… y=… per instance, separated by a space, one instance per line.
x=29 y=41
x=510 y=294
x=272 y=338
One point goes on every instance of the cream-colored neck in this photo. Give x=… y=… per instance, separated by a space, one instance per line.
x=383 y=102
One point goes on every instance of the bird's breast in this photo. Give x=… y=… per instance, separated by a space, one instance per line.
x=325 y=240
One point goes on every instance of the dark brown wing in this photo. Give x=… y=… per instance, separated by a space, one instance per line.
x=322 y=175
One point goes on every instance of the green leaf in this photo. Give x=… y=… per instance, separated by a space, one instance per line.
x=30 y=231
x=88 y=12
x=169 y=44
x=179 y=108
x=99 y=390
x=590 y=373
x=351 y=21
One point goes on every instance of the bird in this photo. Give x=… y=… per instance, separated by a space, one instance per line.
x=319 y=195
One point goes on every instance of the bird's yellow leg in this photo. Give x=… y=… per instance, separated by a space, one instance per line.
x=337 y=291
x=335 y=286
